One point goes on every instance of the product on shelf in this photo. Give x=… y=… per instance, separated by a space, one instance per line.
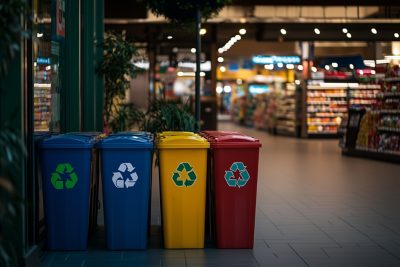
x=326 y=105
x=379 y=129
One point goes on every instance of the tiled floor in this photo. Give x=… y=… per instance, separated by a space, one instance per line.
x=314 y=208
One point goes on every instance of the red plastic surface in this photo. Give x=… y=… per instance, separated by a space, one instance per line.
x=235 y=206
x=234 y=141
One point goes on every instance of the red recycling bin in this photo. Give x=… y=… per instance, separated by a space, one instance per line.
x=234 y=174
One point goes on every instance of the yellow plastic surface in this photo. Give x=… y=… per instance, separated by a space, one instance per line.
x=182 y=141
x=183 y=206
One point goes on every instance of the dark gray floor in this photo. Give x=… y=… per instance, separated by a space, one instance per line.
x=314 y=208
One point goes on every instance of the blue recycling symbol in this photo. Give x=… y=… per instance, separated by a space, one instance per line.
x=243 y=178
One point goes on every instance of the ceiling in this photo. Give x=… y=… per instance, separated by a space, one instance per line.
x=262 y=22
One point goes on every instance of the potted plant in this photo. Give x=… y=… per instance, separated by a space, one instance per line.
x=117 y=68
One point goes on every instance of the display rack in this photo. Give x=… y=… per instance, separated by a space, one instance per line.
x=326 y=106
x=42 y=104
x=286 y=114
x=378 y=134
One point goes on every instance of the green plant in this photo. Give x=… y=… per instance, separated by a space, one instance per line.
x=12 y=147
x=164 y=116
x=11 y=30
x=12 y=152
x=117 y=68
x=185 y=10
x=126 y=117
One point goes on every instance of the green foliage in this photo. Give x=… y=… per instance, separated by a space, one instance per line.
x=12 y=152
x=164 y=116
x=182 y=11
x=126 y=117
x=117 y=68
x=11 y=30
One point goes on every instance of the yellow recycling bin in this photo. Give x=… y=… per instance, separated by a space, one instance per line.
x=183 y=165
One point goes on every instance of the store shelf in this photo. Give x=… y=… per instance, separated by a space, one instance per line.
x=389 y=129
x=388 y=111
x=391 y=156
x=389 y=94
x=327 y=102
x=327 y=95
x=323 y=123
x=391 y=79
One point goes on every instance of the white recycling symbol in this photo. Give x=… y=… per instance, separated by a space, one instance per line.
x=119 y=180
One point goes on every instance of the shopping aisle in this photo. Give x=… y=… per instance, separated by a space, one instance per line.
x=315 y=208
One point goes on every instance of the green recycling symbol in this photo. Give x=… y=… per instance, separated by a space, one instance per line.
x=191 y=175
x=64 y=169
x=243 y=178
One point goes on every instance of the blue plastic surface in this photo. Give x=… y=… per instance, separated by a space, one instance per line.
x=126 y=206
x=66 y=208
x=123 y=141
x=68 y=141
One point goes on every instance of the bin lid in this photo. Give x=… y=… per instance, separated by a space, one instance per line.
x=173 y=133
x=126 y=141
x=68 y=141
x=234 y=141
x=137 y=133
x=208 y=134
x=89 y=134
x=184 y=140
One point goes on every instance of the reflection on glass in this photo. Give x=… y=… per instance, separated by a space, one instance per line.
x=46 y=63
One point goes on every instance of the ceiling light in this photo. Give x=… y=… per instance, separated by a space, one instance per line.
x=242 y=31
x=169 y=37
x=351 y=66
x=373 y=72
x=203 y=31
x=348 y=35
x=396 y=35
x=280 y=65
x=374 y=31
x=193 y=50
x=344 y=30
x=238 y=37
x=327 y=67
x=220 y=50
x=202 y=74
x=269 y=66
x=361 y=72
x=222 y=69
x=283 y=31
x=243 y=20
x=220 y=59
x=313 y=69
x=289 y=66
x=219 y=89
x=335 y=65
x=180 y=73
x=317 y=31
x=300 y=67
x=39 y=34
x=297 y=82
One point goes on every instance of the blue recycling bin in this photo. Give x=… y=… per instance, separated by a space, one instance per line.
x=37 y=189
x=126 y=175
x=66 y=171
x=94 y=183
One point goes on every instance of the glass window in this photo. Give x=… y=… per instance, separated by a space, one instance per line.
x=48 y=39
